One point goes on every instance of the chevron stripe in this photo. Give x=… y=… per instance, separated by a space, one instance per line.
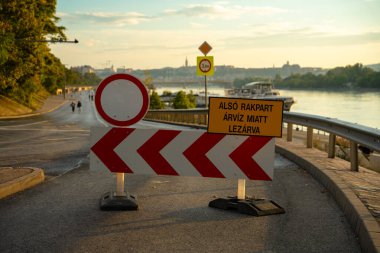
x=182 y=153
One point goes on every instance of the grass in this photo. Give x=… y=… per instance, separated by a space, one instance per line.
x=9 y=107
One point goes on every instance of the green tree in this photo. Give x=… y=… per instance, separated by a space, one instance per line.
x=192 y=99
x=182 y=101
x=155 y=101
x=24 y=57
x=148 y=80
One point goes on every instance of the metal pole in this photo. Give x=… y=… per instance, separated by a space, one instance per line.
x=206 y=92
x=354 y=156
x=309 y=138
x=120 y=184
x=289 y=134
x=332 y=140
x=241 y=189
x=64 y=85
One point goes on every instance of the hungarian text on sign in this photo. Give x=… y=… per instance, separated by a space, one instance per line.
x=245 y=116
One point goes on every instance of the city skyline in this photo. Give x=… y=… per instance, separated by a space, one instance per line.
x=248 y=34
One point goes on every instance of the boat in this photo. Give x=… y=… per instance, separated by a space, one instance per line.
x=260 y=90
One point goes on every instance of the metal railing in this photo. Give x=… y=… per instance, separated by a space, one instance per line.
x=355 y=133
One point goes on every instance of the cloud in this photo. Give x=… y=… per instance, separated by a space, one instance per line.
x=221 y=10
x=301 y=38
x=106 y=18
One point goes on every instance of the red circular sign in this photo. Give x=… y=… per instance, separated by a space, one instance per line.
x=205 y=65
x=122 y=100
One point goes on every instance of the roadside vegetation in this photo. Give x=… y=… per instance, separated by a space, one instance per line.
x=29 y=72
x=340 y=78
x=181 y=100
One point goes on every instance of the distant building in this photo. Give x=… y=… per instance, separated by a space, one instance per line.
x=84 y=69
x=124 y=70
x=102 y=73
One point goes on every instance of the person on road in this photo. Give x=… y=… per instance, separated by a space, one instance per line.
x=79 y=105
x=72 y=106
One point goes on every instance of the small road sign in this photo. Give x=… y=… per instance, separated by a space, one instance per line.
x=205 y=48
x=205 y=65
x=245 y=116
x=182 y=153
x=121 y=100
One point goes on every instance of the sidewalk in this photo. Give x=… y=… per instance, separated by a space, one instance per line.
x=356 y=193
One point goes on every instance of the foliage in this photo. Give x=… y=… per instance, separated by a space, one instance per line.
x=352 y=77
x=167 y=93
x=73 y=77
x=183 y=101
x=27 y=66
x=155 y=101
x=148 y=80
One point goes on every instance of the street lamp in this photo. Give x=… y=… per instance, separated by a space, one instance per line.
x=57 y=41
x=75 y=41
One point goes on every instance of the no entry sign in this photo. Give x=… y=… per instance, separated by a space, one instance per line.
x=122 y=100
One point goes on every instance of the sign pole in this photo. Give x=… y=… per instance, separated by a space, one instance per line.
x=241 y=189
x=268 y=113
x=120 y=185
x=113 y=95
x=206 y=105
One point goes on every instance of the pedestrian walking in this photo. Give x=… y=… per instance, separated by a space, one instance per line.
x=72 y=106
x=79 y=105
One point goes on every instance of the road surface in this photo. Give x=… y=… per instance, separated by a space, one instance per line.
x=63 y=214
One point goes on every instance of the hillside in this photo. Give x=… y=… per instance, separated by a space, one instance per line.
x=9 y=107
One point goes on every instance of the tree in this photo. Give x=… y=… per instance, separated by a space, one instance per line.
x=155 y=101
x=182 y=101
x=192 y=99
x=148 y=80
x=24 y=59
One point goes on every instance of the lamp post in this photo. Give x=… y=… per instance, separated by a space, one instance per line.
x=75 y=41
x=57 y=41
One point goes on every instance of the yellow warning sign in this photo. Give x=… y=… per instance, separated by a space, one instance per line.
x=205 y=65
x=245 y=116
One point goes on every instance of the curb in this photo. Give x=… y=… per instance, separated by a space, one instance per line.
x=361 y=220
x=21 y=183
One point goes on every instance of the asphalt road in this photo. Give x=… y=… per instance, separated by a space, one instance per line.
x=63 y=214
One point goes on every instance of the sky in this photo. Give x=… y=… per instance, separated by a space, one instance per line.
x=142 y=34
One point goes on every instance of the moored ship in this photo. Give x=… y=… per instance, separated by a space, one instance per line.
x=260 y=90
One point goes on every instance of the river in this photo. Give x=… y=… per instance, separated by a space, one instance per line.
x=357 y=107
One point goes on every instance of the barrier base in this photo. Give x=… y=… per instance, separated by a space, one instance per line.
x=111 y=202
x=251 y=206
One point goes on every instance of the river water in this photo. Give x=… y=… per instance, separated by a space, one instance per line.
x=357 y=107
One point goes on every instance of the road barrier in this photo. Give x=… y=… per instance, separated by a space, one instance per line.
x=358 y=135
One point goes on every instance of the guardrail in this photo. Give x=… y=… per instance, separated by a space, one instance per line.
x=355 y=133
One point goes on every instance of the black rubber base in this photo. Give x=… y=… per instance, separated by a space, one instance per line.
x=111 y=202
x=256 y=207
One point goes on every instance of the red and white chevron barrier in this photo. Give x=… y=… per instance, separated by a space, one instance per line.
x=182 y=153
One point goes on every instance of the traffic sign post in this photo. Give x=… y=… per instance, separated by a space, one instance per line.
x=246 y=117
x=205 y=65
x=121 y=100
